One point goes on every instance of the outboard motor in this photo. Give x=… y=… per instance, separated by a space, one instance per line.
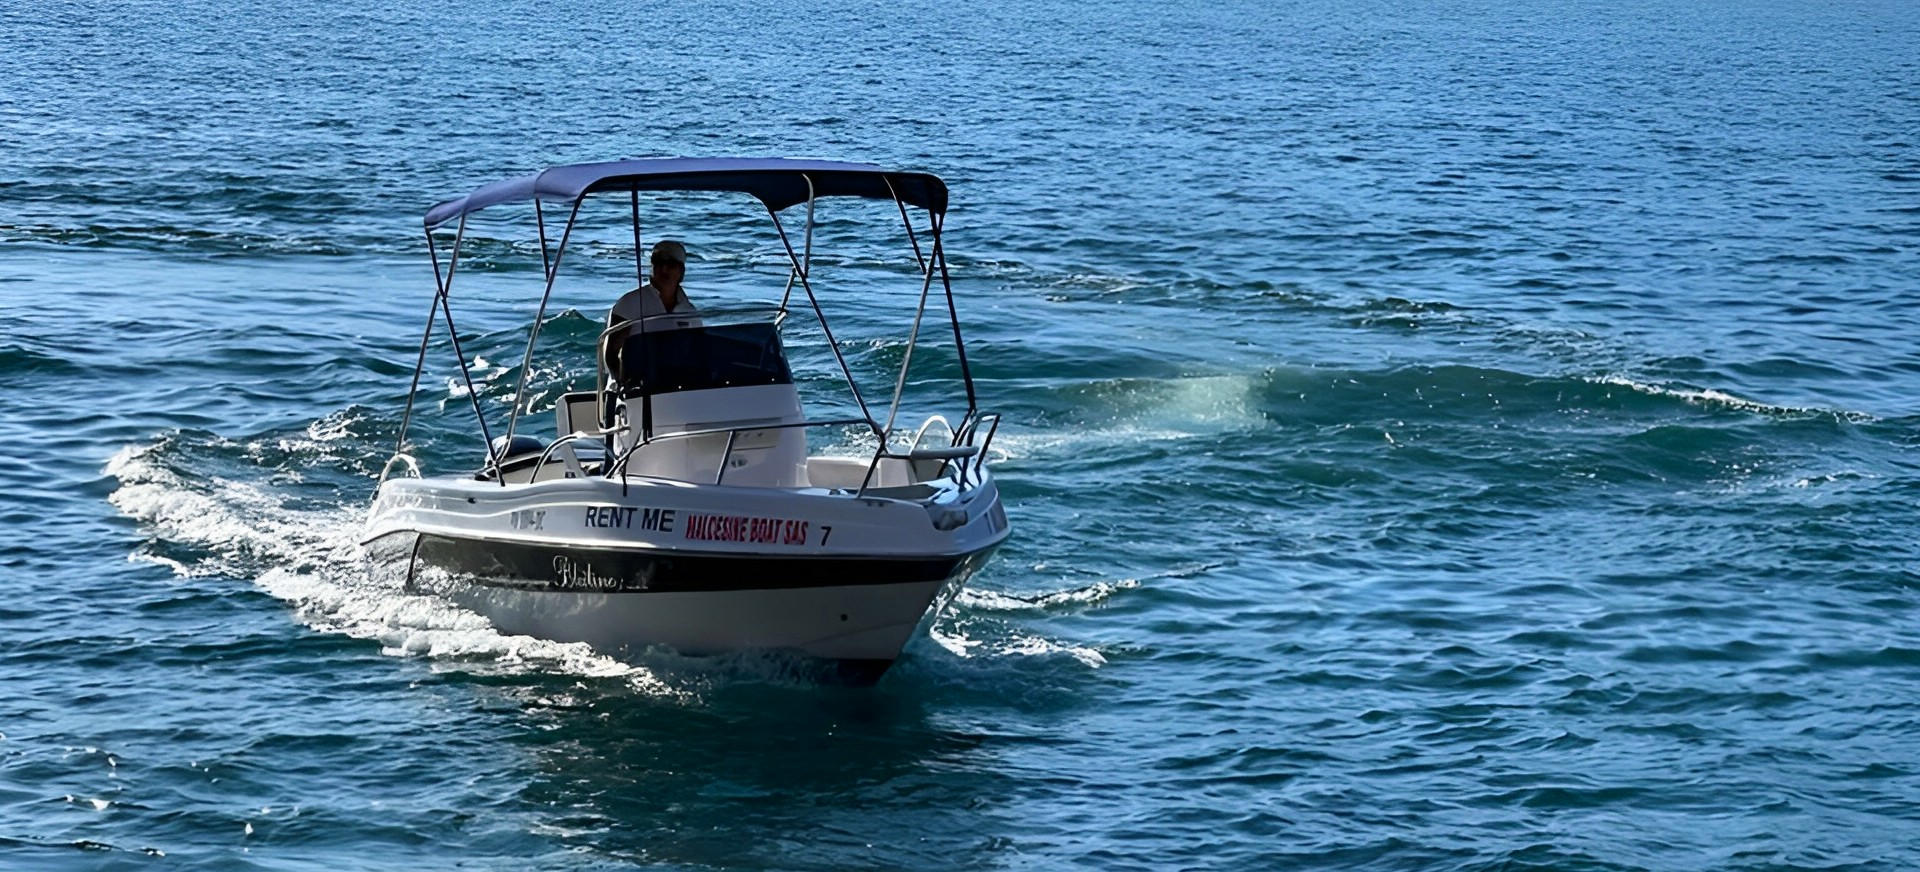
x=509 y=456
x=522 y=446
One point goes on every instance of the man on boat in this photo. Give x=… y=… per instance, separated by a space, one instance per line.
x=661 y=295
x=653 y=306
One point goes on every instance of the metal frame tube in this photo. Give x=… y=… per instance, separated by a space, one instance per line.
x=913 y=339
x=800 y=268
x=832 y=344
x=913 y=238
x=533 y=333
x=420 y=365
x=466 y=373
x=540 y=227
x=639 y=254
x=953 y=314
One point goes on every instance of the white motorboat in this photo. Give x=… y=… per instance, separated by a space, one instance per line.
x=679 y=503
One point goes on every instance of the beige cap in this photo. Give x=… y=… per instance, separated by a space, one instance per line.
x=671 y=251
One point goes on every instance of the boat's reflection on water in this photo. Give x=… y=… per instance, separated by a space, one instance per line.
x=723 y=772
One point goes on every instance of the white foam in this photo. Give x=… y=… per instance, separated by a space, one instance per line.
x=1710 y=397
x=999 y=639
x=482 y=372
x=955 y=639
x=311 y=559
x=332 y=428
x=985 y=600
x=1035 y=646
x=1153 y=411
x=213 y=513
x=1833 y=478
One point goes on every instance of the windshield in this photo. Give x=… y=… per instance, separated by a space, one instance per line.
x=703 y=358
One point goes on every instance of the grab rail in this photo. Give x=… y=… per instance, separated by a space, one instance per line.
x=920 y=435
x=962 y=448
x=412 y=464
x=981 y=464
x=573 y=437
x=620 y=464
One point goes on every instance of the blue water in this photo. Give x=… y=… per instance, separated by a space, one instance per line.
x=1438 y=436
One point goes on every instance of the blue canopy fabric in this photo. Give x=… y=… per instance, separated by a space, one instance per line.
x=777 y=182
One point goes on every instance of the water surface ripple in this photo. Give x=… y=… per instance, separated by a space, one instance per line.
x=1451 y=436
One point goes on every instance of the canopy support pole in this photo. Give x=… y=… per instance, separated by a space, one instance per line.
x=426 y=336
x=832 y=344
x=953 y=314
x=540 y=227
x=533 y=333
x=913 y=238
x=806 y=263
x=639 y=255
x=919 y=315
x=466 y=373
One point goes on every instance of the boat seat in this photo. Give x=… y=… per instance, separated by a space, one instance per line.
x=576 y=412
x=850 y=472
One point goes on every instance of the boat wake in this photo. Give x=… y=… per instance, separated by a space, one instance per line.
x=1716 y=399
x=1133 y=413
x=283 y=511
x=959 y=639
x=210 y=512
x=978 y=624
x=1089 y=595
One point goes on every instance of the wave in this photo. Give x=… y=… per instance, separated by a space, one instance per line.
x=211 y=512
x=1074 y=598
x=1455 y=391
x=1089 y=415
x=1715 y=399
x=18 y=360
x=173 y=240
x=1277 y=429
x=1280 y=435
x=479 y=252
x=998 y=642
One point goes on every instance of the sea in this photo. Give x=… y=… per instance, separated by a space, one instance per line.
x=1439 y=435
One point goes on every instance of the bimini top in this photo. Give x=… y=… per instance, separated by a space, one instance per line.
x=777 y=182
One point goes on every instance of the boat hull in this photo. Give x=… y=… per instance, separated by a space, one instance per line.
x=854 y=596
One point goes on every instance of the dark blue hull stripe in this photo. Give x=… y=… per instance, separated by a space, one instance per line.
x=571 y=568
